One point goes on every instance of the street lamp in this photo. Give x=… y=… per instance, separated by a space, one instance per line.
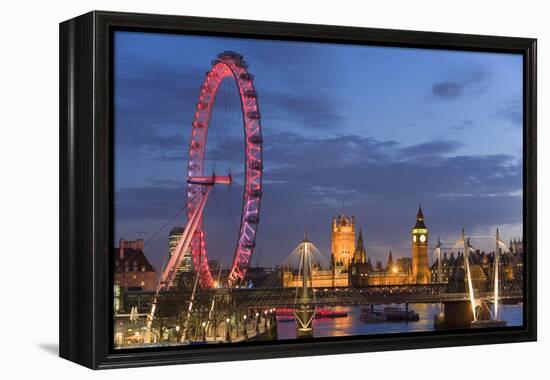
x=245 y=332
x=177 y=328
x=203 y=331
x=228 y=330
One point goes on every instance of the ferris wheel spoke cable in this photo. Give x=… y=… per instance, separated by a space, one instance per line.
x=223 y=129
x=230 y=215
x=217 y=222
x=160 y=210
x=171 y=219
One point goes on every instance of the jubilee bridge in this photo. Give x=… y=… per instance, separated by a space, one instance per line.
x=277 y=297
x=342 y=296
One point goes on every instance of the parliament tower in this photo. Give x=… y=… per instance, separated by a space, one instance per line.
x=360 y=255
x=343 y=241
x=420 y=264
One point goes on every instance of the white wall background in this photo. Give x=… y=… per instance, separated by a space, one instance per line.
x=29 y=186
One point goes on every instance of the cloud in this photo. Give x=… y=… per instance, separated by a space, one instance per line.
x=430 y=148
x=283 y=150
x=463 y=125
x=447 y=90
x=307 y=109
x=286 y=62
x=165 y=183
x=292 y=84
x=512 y=111
x=307 y=180
x=147 y=201
x=154 y=104
x=457 y=84
x=384 y=196
x=378 y=169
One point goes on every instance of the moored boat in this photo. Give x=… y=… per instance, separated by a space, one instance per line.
x=372 y=315
x=285 y=315
x=388 y=314
x=397 y=314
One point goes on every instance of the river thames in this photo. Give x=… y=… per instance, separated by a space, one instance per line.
x=352 y=325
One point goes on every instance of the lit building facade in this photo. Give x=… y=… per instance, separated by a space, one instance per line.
x=132 y=269
x=452 y=272
x=402 y=271
x=321 y=278
x=516 y=246
x=343 y=253
x=343 y=241
x=186 y=265
x=396 y=272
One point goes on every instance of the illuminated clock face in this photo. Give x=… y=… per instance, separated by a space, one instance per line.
x=422 y=238
x=414 y=238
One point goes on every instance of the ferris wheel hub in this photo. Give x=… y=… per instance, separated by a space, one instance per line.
x=210 y=180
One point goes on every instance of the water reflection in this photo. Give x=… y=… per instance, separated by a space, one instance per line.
x=352 y=325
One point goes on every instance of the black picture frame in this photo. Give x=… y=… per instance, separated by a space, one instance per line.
x=86 y=187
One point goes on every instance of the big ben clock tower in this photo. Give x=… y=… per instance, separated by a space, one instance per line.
x=420 y=265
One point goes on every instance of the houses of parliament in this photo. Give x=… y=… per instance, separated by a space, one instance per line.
x=402 y=271
x=351 y=266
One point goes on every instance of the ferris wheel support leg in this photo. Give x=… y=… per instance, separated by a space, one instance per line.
x=171 y=268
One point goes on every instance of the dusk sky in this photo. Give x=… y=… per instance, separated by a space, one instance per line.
x=371 y=131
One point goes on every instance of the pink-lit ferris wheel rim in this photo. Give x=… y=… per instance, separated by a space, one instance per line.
x=228 y=65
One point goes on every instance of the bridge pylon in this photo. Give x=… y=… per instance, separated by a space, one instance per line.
x=304 y=303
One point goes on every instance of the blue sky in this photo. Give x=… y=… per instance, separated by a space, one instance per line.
x=372 y=131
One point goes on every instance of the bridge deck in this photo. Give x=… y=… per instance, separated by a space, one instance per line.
x=286 y=297
x=281 y=297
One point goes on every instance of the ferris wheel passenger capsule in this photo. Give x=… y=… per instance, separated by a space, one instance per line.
x=255 y=139
x=254 y=115
x=247 y=76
